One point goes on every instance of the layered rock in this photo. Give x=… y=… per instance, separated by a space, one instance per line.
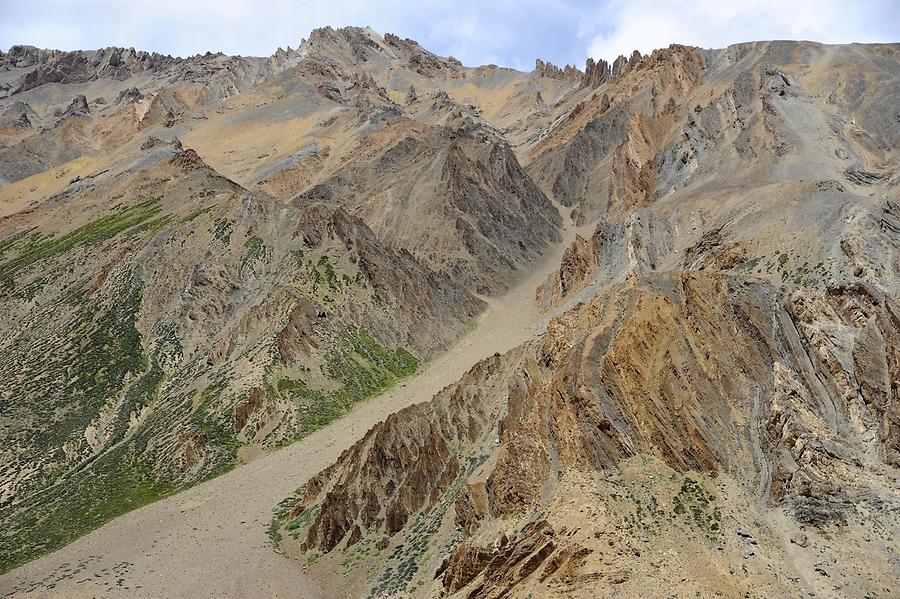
x=662 y=118
x=605 y=154
x=327 y=224
x=578 y=264
x=664 y=366
x=78 y=107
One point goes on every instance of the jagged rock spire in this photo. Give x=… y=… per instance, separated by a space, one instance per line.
x=595 y=73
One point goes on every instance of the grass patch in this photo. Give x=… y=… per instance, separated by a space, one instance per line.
x=280 y=516
x=378 y=370
x=40 y=248
x=218 y=432
x=363 y=368
x=222 y=231
x=97 y=355
x=113 y=484
x=696 y=506
x=254 y=249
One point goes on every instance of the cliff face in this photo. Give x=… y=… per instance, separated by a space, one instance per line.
x=708 y=382
x=682 y=117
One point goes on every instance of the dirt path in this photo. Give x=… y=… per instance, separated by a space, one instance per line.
x=210 y=541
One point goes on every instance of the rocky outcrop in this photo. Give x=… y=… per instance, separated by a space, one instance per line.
x=16 y=123
x=871 y=243
x=421 y=61
x=223 y=75
x=503 y=567
x=54 y=66
x=132 y=94
x=78 y=107
x=595 y=74
x=607 y=151
x=713 y=252
x=402 y=468
x=411 y=95
x=664 y=366
x=578 y=264
x=569 y=73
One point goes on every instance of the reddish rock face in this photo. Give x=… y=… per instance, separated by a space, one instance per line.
x=663 y=366
x=246 y=410
x=578 y=264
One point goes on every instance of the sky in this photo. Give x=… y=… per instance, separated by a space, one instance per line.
x=506 y=32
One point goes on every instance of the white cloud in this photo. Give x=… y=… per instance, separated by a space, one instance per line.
x=646 y=25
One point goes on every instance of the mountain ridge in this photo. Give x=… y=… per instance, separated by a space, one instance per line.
x=206 y=259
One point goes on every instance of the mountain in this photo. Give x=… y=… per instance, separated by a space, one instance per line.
x=206 y=259
x=720 y=387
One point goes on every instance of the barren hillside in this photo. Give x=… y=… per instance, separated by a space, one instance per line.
x=631 y=330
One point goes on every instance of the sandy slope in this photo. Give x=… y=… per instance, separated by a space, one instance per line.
x=210 y=541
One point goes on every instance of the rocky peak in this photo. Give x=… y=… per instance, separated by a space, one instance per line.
x=155 y=142
x=420 y=60
x=441 y=99
x=356 y=44
x=78 y=107
x=596 y=72
x=369 y=98
x=550 y=70
x=622 y=65
x=20 y=56
x=56 y=66
x=122 y=63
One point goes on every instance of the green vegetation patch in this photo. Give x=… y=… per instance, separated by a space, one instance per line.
x=255 y=249
x=378 y=370
x=222 y=230
x=113 y=484
x=363 y=368
x=360 y=365
x=39 y=248
x=199 y=211
x=280 y=517
x=218 y=431
x=326 y=277
x=65 y=383
x=698 y=508
x=404 y=561
x=788 y=266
